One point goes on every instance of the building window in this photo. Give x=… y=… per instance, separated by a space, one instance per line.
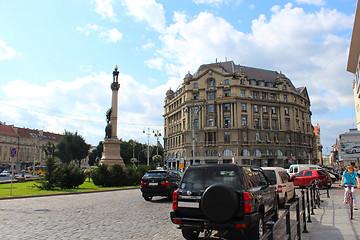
x=211 y=122
x=252 y=82
x=255 y=108
x=227 y=122
x=242 y=81
x=196 y=85
x=196 y=96
x=227 y=93
x=288 y=138
x=276 y=137
x=285 y=98
x=272 y=97
x=242 y=93
x=196 y=123
x=297 y=112
x=211 y=108
x=263 y=96
x=287 y=111
x=227 y=153
x=226 y=82
x=267 y=137
x=257 y=136
x=244 y=134
x=297 y=124
x=269 y=84
x=266 y=123
x=257 y=123
x=254 y=95
x=261 y=83
x=227 y=107
x=287 y=122
x=284 y=87
x=273 y=110
x=264 y=109
x=244 y=121
x=245 y=153
x=243 y=107
x=274 y=124
x=211 y=83
x=211 y=138
x=226 y=137
x=211 y=153
x=211 y=95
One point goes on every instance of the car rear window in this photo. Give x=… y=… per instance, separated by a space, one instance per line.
x=270 y=174
x=155 y=175
x=321 y=172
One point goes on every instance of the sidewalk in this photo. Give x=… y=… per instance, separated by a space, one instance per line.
x=332 y=221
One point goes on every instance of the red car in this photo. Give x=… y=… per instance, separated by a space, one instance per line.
x=305 y=177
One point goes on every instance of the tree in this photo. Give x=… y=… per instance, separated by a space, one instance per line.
x=72 y=148
x=96 y=153
x=49 y=149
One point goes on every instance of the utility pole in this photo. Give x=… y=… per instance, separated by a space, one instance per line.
x=148 y=134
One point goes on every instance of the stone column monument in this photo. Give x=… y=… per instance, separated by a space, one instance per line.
x=111 y=152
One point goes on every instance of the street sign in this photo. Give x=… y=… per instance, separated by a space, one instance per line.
x=13 y=152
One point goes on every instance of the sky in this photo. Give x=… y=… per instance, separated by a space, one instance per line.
x=57 y=58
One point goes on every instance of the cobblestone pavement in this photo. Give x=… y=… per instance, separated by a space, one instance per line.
x=106 y=215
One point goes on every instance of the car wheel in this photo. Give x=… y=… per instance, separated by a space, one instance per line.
x=190 y=234
x=220 y=203
x=257 y=231
x=147 y=198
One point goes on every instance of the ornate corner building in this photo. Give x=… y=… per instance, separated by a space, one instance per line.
x=231 y=113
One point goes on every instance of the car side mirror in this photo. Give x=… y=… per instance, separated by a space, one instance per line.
x=272 y=182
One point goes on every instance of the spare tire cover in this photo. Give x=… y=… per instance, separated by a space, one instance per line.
x=219 y=203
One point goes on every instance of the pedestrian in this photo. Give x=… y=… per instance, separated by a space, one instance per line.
x=349 y=179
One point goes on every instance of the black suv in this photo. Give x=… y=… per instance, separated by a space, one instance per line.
x=160 y=183
x=231 y=199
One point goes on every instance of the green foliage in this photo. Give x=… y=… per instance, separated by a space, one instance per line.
x=50 y=179
x=96 y=153
x=72 y=147
x=101 y=176
x=156 y=159
x=49 y=149
x=70 y=176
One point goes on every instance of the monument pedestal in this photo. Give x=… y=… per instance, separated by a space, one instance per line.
x=111 y=153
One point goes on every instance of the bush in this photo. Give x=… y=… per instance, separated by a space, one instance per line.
x=118 y=176
x=50 y=180
x=70 y=176
x=101 y=176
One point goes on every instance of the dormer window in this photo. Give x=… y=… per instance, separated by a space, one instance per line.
x=211 y=82
x=261 y=83
x=226 y=82
x=196 y=85
x=269 y=84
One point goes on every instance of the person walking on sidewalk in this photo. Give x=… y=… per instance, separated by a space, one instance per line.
x=350 y=178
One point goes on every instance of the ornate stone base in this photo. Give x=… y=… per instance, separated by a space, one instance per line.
x=111 y=153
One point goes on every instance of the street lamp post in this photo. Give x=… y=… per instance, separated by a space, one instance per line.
x=157 y=134
x=148 y=134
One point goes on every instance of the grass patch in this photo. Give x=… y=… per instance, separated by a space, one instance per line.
x=29 y=188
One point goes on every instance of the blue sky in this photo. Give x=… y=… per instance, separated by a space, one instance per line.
x=57 y=57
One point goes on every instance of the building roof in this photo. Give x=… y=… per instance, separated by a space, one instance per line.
x=7 y=130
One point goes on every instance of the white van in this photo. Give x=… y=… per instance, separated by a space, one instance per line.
x=295 y=168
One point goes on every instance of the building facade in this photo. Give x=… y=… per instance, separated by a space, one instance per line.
x=349 y=145
x=231 y=113
x=29 y=144
x=318 y=146
x=353 y=64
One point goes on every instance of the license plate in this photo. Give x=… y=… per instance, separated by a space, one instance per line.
x=153 y=184
x=188 y=204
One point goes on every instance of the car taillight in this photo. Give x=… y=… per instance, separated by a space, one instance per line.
x=143 y=184
x=165 y=184
x=247 y=203
x=279 y=189
x=175 y=200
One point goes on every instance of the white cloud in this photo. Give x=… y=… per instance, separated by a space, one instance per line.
x=156 y=63
x=105 y=9
x=313 y=2
x=88 y=28
x=6 y=52
x=148 y=45
x=84 y=102
x=149 y=11
x=112 y=35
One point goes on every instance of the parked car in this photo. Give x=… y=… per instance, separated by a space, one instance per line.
x=5 y=173
x=159 y=183
x=305 y=177
x=232 y=199
x=295 y=168
x=284 y=187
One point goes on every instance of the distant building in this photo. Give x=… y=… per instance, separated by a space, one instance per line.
x=353 y=65
x=28 y=142
x=231 y=113
x=318 y=145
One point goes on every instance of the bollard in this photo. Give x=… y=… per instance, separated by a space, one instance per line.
x=288 y=227
x=313 y=196
x=297 y=200
x=312 y=201
x=308 y=204
x=270 y=226
x=304 y=209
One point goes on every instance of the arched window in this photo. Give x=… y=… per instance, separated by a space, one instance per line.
x=278 y=153
x=305 y=154
x=298 y=154
x=257 y=153
x=288 y=153
x=211 y=153
x=178 y=155
x=227 y=153
x=268 y=152
x=245 y=153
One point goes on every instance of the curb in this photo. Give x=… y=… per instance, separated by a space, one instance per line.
x=65 y=193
